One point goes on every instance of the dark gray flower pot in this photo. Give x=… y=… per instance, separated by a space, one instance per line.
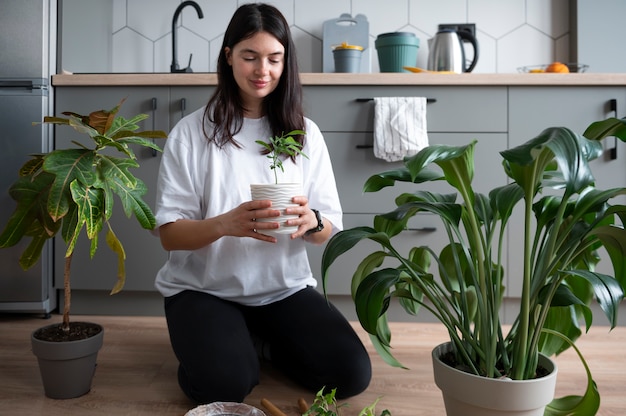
x=67 y=368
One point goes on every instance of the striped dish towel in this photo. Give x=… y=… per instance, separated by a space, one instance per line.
x=399 y=127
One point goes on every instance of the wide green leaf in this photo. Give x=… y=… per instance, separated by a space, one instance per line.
x=608 y=292
x=372 y=297
x=67 y=165
x=365 y=267
x=572 y=405
x=31 y=197
x=440 y=154
x=611 y=127
x=381 y=180
x=569 y=150
x=613 y=239
x=341 y=243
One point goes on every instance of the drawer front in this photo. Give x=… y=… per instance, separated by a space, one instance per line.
x=353 y=165
x=423 y=229
x=455 y=109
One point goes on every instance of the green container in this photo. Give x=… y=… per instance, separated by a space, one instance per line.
x=396 y=50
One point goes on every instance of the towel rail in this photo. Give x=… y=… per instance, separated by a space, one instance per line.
x=364 y=100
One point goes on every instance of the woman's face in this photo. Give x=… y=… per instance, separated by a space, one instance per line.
x=257 y=64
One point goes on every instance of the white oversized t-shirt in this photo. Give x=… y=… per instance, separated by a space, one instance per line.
x=199 y=180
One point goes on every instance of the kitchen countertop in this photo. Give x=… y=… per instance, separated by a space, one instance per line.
x=199 y=79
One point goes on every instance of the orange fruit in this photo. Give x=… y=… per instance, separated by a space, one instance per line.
x=557 y=67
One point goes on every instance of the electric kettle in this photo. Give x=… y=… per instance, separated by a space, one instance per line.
x=447 y=53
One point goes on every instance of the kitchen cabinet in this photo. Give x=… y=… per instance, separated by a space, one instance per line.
x=532 y=109
x=455 y=116
x=497 y=116
x=185 y=100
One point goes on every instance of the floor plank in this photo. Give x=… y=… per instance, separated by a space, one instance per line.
x=136 y=373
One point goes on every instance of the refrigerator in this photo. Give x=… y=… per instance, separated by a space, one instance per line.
x=27 y=59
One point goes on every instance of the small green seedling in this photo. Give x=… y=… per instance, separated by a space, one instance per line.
x=282 y=145
x=326 y=405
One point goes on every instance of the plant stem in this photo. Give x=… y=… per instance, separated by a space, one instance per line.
x=521 y=339
x=67 y=293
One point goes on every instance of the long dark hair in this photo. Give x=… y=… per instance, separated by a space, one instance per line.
x=283 y=107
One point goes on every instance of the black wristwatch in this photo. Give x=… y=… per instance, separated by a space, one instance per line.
x=320 y=223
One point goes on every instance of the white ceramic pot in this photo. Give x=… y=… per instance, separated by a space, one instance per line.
x=281 y=195
x=466 y=394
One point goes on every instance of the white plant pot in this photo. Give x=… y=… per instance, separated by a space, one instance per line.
x=281 y=195
x=466 y=394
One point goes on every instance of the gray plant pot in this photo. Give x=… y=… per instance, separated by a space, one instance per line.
x=467 y=394
x=67 y=368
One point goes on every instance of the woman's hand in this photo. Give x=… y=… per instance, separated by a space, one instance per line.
x=242 y=221
x=306 y=221
x=238 y=222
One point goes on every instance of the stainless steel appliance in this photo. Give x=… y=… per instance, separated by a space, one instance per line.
x=447 y=53
x=27 y=58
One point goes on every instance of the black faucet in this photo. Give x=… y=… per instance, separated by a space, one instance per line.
x=179 y=9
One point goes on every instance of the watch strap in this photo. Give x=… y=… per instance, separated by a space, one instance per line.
x=320 y=223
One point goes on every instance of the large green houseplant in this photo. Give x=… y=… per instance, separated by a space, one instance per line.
x=68 y=190
x=566 y=220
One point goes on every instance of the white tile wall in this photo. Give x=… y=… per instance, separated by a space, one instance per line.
x=511 y=33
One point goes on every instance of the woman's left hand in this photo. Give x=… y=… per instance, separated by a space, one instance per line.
x=306 y=221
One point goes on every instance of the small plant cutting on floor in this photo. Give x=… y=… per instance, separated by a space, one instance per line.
x=327 y=405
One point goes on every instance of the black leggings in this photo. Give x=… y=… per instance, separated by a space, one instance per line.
x=309 y=339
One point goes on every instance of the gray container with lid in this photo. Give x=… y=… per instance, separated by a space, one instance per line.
x=350 y=30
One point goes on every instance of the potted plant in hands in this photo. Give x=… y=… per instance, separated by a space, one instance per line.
x=63 y=192
x=563 y=229
x=280 y=194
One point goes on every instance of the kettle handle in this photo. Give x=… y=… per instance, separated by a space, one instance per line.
x=465 y=35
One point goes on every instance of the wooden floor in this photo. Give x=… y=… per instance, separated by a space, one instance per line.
x=136 y=373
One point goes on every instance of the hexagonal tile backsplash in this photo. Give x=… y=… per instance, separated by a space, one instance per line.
x=510 y=33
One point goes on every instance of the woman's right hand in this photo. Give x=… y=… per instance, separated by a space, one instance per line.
x=239 y=222
x=242 y=221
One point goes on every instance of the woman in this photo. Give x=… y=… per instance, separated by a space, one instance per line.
x=229 y=281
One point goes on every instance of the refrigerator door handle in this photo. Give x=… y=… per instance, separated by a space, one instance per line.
x=24 y=84
x=21 y=84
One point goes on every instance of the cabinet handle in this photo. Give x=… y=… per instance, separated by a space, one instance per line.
x=364 y=100
x=423 y=229
x=183 y=107
x=613 y=107
x=154 y=108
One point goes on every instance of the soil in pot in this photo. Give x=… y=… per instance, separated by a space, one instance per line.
x=78 y=330
x=449 y=359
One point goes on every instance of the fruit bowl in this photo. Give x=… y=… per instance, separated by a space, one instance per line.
x=533 y=69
